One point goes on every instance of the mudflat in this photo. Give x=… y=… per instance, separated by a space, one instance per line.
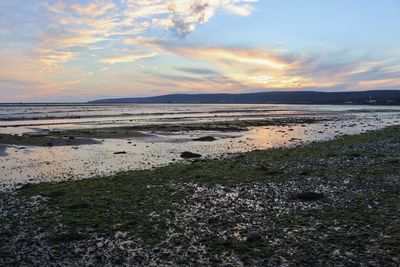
x=325 y=203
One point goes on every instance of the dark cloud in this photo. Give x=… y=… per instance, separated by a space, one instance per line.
x=376 y=73
x=198 y=71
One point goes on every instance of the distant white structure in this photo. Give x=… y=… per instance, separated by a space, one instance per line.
x=371 y=101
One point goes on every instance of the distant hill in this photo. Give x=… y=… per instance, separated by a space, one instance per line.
x=391 y=97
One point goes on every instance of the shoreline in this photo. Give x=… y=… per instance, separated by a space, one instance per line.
x=202 y=212
x=62 y=154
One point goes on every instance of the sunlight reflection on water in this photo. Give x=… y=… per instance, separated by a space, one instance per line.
x=34 y=164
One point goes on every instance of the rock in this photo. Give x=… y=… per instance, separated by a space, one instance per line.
x=336 y=253
x=309 y=196
x=212 y=220
x=349 y=254
x=253 y=236
x=190 y=155
x=120 y=153
x=205 y=139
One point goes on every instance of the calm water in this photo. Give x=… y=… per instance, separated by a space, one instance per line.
x=33 y=164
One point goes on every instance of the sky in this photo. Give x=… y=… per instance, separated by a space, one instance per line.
x=78 y=50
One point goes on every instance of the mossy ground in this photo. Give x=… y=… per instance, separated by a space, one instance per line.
x=357 y=222
x=44 y=140
x=23 y=140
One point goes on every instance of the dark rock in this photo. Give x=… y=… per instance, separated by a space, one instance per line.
x=120 y=153
x=25 y=186
x=55 y=194
x=67 y=237
x=205 y=139
x=190 y=155
x=79 y=206
x=253 y=236
x=213 y=220
x=309 y=196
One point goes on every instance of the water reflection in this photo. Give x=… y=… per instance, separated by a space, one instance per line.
x=33 y=164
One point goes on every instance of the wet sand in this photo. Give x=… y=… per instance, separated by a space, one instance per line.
x=3 y=150
x=78 y=151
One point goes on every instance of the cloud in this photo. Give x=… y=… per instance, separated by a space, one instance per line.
x=126 y=58
x=168 y=83
x=197 y=71
x=51 y=58
x=184 y=15
x=376 y=73
x=59 y=27
x=23 y=79
x=94 y=9
x=242 y=10
x=229 y=56
x=250 y=67
x=261 y=68
x=145 y=41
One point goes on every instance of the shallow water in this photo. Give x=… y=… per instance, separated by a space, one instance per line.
x=28 y=118
x=19 y=165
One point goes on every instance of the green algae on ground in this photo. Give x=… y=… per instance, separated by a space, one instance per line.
x=23 y=140
x=86 y=136
x=142 y=130
x=100 y=133
x=43 y=140
x=357 y=221
x=68 y=137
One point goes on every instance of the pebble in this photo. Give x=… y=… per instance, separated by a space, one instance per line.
x=189 y=155
x=253 y=236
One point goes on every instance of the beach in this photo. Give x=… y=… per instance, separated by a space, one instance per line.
x=325 y=203
x=302 y=187
x=41 y=143
x=199 y=133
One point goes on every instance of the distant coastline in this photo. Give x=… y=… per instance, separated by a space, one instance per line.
x=377 y=97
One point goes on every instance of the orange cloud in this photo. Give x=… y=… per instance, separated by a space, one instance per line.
x=94 y=9
x=230 y=56
x=144 y=41
x=260 y=68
